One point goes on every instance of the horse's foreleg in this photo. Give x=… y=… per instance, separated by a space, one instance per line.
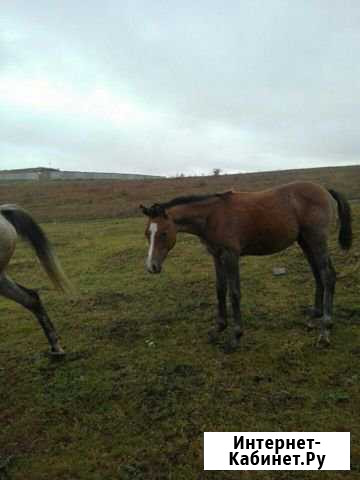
x=31 y=300
x=221 y=290
x=232 y=272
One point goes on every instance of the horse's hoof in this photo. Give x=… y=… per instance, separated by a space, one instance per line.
x=230 y=347
x=56 y=354
x=214 y=333
x=312 y=312
x=323 y=340
x=310 y=324
x=213 y=336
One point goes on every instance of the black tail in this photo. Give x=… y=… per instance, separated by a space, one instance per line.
x=28 y=229
x=345 y=233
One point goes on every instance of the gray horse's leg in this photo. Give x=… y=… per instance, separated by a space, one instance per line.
x=31 y=300
x=221 y=290
x=231 y=262
x=317 y=310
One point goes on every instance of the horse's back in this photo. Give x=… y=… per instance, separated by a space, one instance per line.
x=304 y=189
x=314 y=206
x=269 y=221
x=308 y=202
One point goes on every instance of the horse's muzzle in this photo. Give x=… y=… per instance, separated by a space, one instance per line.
x=153 y=268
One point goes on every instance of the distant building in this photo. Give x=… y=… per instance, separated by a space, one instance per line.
x=46 y=174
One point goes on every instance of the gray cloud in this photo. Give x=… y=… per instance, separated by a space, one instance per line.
x=169 y=87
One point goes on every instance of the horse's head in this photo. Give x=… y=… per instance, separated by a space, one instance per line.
x=161 y=234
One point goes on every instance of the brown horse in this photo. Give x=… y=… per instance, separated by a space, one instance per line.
x=233 y=224
x=13 y=221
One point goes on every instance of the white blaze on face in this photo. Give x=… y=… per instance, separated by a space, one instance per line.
x=152 y=229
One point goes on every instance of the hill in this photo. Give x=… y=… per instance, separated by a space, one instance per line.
x=46 y=174
x=92 y=199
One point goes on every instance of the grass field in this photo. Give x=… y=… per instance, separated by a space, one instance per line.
x=140 y=383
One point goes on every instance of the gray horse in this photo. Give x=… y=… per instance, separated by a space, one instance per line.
x=15 y=221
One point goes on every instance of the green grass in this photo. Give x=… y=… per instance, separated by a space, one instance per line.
x=140 y=383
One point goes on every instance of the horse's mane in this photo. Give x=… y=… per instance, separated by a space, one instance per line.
x=158 y=208
x=184 y=200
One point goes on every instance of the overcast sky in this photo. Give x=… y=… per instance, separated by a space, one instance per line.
x=169 y=87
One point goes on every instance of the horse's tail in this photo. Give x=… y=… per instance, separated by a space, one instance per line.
x=29 y=230
x=344 y=209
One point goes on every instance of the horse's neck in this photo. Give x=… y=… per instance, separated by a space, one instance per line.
x=192 y=218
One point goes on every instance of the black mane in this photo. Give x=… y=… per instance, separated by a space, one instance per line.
x=158 y=209
x=184 y=200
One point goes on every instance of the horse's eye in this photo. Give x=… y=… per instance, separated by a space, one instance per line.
x=163 y=235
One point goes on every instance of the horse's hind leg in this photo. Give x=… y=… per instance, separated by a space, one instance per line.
x=328 y=276
x=323 y=266
x=221 y=290
x=31 y=300
x=317 y=310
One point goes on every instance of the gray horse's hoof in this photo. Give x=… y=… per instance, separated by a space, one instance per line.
x=311 y=323
x=323 y=340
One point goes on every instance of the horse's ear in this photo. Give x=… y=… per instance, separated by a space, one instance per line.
x=144 y=210
x=154 y=211
x=159 y=211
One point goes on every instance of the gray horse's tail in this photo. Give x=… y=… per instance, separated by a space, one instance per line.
x=29 y=230
x=344 y=209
